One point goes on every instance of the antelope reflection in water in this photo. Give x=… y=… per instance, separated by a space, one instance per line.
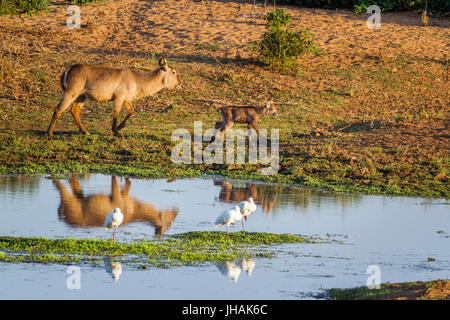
x=80 y=210
x=297 y=199
x=233 y=270
x=265 y=196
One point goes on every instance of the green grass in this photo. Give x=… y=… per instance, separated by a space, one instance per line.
x=208 y=46
x=22 y=6
x=147 y=154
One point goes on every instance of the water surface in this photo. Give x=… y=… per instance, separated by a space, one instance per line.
x=398 y=234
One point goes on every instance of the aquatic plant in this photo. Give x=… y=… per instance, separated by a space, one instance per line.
x=246 y=237
x=182 y=249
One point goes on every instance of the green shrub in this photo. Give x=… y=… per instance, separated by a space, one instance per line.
x=32 y=6
x=22 y=6
x=436 y=6
x=385 y=5
x=278 y=19
x=279 y=46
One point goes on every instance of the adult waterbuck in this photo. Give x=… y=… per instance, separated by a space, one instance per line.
x=103 y=83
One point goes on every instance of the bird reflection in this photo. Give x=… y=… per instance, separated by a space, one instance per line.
x=80 y=210
x=230 y=269
x=113 y=267
x=233 y=270
x=248 y=265
x=264 y=195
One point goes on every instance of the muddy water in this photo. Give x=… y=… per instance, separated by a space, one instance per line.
x=397 y=234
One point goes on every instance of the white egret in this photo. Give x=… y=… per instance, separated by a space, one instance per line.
x=113 y=220
x=229 y=217
x=246 y=208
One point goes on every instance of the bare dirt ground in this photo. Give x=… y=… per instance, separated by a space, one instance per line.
x=176 y=27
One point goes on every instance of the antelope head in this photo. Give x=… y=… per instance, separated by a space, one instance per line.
x=271 y=109
x=170 y=76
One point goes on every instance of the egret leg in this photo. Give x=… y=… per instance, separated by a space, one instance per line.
x=243 y=225
x=227 y=232
x=114 y=235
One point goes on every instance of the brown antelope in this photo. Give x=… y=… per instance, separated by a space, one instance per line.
x=103 y=83
x=82 y=210
x=244 y=114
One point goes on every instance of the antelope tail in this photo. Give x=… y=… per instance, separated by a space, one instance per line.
x=64 y=78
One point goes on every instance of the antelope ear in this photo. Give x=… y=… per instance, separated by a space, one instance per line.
x=163 y=62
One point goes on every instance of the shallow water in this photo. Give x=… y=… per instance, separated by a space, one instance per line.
x=397 y=234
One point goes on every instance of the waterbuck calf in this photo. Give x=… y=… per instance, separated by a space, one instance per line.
x=244 y=114
x=103 y=83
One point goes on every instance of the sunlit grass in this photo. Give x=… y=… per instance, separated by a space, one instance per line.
x=431 y=290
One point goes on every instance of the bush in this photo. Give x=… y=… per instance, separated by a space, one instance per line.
x=279 y=46
x=31 y=6
x=278 y=19
x=22 y=6
x=386 y=5
x=435 y=6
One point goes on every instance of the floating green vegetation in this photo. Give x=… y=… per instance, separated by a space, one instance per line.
x=182 y=249
x=171 y=251
x=45 y=258
x=246 y=237
x=414 y=290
